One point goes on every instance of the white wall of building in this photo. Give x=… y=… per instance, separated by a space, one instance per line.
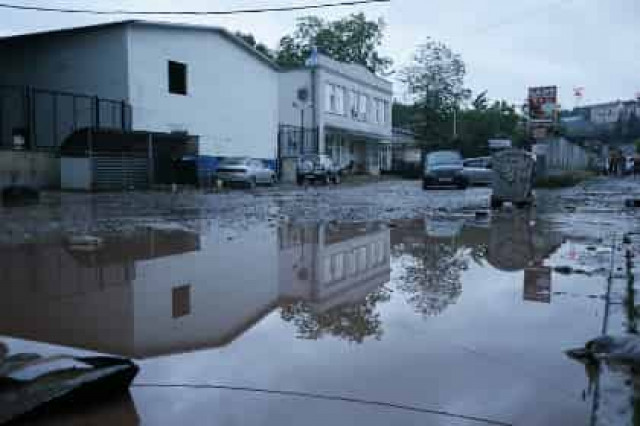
x=611 y=112
x=354 y=79
x=289 y=104
x=91 y=61
x=350 y=79
x=232 y=96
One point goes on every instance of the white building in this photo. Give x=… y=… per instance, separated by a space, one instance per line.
x=177 y=78
x=348 y=105
x=611 y=112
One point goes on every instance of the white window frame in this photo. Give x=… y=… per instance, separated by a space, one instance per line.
x=339 y=93
x=363 y=107
x=328 y=97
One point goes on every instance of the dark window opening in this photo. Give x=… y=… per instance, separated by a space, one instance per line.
x=181 y=301
x=177 y=78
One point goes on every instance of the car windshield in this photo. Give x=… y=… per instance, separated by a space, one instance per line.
x=445 y=157
x=234 y=161
x=311 y=158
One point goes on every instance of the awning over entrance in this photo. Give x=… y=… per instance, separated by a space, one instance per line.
x=360 y=135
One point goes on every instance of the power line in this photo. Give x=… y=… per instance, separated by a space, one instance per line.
x=190 y=13
x=309 y=395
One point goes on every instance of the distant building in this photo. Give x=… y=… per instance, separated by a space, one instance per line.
x=610 y=112
x=347 y=106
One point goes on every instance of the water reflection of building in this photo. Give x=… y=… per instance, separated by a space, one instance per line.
x=333 y=277
x=537 y=284
x=80 y=298
x=146 y=294
x=328 y=266
x=158 y=292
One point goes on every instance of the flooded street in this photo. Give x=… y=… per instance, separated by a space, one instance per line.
x=451 y=319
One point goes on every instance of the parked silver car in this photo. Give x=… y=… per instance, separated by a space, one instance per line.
x=478 y=171
x=244 y=170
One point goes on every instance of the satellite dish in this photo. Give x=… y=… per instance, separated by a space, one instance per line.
x=303 y=94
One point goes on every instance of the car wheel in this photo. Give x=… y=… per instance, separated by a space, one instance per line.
x=274 y=180
x=463 y=184
x=300 y=180
x=425 y=184
x=336 y=179
x=326 y=180
x=496 y=203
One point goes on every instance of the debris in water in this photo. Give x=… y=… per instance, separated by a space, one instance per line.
x=621 y=349
x=40 y=383
x=84 y=242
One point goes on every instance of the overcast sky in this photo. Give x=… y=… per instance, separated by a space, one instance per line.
x=507 y=45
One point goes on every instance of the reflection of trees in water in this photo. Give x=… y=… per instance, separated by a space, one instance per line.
x=431 y=279
x=354 y=322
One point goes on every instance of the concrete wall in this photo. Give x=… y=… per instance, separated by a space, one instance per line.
x=37 y=169
x=92 y=62
x=232 y=96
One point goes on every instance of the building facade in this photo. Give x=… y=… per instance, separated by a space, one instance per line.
x=177 y=78
x=610 y=112
x=348 y=106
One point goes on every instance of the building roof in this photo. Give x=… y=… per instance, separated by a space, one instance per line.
x=348 y=70
x=160 y=24
x=608 y=104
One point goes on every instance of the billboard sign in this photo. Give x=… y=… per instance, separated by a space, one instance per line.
x=543 y=102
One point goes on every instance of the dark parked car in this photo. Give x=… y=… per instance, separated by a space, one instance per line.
x=317 y=168
x=444 y=168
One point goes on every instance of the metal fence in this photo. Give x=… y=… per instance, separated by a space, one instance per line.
x=295 y=141
x=45 y=117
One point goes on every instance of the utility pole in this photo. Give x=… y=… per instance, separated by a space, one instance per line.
x=455 y=123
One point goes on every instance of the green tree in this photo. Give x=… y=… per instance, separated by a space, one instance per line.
x=435 y=79
x=480 y=102
x=353 y=322
x=251 y=41
x=481 y=123
x=353 y=39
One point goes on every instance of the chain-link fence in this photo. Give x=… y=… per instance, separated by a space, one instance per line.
x=44 y=118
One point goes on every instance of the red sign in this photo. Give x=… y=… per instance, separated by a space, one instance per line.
x=543 y=102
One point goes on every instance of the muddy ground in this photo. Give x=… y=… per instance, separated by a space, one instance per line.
x=596 y=204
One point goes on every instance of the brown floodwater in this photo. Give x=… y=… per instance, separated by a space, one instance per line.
x=457 y=320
